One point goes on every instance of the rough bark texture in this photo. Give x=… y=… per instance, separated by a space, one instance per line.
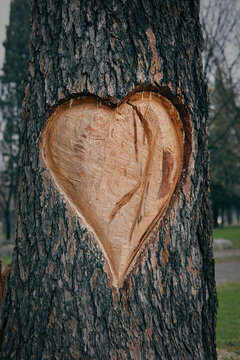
x=59 y=303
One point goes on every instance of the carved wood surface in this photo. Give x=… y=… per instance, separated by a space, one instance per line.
x=118 y=167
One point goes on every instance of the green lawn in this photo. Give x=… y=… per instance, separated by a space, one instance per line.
x=231 y=232
x=219 y=260
x=7 y=260
x=228 y=317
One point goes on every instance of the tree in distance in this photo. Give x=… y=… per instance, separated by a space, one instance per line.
x=16 y=57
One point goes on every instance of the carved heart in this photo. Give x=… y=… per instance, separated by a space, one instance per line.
x=118 y=167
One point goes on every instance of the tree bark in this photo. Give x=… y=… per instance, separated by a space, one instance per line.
x=7 y=222
x=60 y=302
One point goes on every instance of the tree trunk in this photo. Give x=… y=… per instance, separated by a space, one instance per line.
x=215 y=212
x=7 y=214
x=7 y=222
x=229 y=215
x=67 y=296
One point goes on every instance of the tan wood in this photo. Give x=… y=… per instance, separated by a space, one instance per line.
x=118 y=167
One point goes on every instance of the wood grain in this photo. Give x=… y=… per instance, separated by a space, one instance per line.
x=118 y=167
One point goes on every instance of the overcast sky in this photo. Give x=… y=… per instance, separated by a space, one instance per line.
x=4 y=19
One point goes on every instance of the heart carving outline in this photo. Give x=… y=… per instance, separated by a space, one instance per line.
x=104 y=160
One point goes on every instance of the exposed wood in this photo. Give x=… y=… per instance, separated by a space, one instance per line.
x=118 y=167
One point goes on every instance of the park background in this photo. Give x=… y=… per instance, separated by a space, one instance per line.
x=221 y=66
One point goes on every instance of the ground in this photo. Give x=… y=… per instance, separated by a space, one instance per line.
x=228 y=289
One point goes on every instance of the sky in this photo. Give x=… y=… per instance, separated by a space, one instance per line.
x=4 y=19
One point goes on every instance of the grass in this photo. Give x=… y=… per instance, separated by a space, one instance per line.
x=227 y=259
x=6 y=260
x=228 y=317
x=231 y=232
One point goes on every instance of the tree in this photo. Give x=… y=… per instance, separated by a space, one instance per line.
x=61 y=300
x=224 y=145
x=16 y=55
x=220 y=23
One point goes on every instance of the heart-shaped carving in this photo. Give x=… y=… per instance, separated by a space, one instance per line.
x=117 y=166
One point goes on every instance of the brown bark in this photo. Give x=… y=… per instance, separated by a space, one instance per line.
x=60 y=303
x=3 y=279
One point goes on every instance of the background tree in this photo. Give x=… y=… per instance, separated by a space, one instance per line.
x=16 y=57
x=221 y=30
x=224 y=145
x=220 y=25
x=60 y=303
